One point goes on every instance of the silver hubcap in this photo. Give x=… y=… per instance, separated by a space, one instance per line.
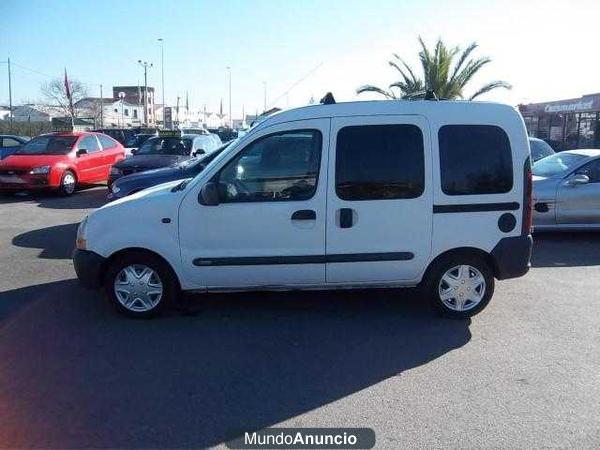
x=138 y=288
x=462 y=288
x=69 y=183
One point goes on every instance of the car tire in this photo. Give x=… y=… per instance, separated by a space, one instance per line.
x=459 y=286
x=68 y=184
x=140 y=285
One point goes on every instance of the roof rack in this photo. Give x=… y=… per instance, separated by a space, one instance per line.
x=327 y=99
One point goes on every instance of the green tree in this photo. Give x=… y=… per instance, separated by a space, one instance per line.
x=446 y=71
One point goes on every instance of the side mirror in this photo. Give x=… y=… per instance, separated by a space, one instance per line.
x=134 y=151
x=81 y=151
x=199 y=152
x=209 y=194
x=578 y=179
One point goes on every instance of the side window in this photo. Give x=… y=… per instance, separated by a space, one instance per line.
x=592 y=170
x=10 y=142
x=106 y=142
x=475 y=159
x=89 y=143
x=278 y=167
x=379 y=162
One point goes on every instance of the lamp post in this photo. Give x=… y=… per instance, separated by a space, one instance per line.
x=121 y=97
x=265 y=95
x=162 y=76
x=145 y=65
x=230 y=118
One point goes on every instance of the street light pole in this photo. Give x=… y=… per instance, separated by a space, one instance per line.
x=265 y=94
x=162 y=69
x=10 y=114
x=121 y=97
x=230 y=118
x=145 y=65
x=101 y=108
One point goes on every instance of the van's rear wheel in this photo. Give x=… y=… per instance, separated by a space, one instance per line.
x=140 y=285
x=460 y=286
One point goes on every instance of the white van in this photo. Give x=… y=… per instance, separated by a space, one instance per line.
x=347 y=195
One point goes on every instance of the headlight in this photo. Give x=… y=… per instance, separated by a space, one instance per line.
x=115 y=189
x=81 y=242
x=114 y=171
x=42 y=170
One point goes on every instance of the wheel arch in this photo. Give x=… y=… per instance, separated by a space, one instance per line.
x=461 y=251
x=138 y=250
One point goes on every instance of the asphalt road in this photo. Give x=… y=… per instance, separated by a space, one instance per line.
x=524 y=373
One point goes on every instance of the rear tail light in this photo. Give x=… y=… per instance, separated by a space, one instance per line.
x=527 y=198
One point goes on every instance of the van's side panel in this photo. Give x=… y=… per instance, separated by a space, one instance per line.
x=386 y=239
x=473 y=220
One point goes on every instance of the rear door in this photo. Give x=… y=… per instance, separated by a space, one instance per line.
x=580 y=203
x=111 y=153
x=379 y=202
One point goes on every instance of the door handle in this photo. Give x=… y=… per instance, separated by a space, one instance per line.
x=346 y=220
x=304 y=214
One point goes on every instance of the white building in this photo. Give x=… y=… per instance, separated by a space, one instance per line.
x=112 y=113
x=36 y=113
x=4 y=113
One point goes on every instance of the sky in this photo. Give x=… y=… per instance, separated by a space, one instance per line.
x=300 y=48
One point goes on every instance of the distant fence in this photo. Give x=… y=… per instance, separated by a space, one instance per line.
x=30 y=129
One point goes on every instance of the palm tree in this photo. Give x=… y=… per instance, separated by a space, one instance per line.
x=443 y=74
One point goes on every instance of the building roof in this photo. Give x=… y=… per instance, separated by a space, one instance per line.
x=85 y=100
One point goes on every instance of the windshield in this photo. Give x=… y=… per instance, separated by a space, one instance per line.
x=540 y=149
x=48 y=145
x=556 y=164
x=166 y=146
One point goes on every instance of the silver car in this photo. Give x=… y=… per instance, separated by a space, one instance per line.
x=566 y=191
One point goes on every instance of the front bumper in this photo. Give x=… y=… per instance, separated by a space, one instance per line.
x=512 y=256
x=88 y=267
x=24 y=182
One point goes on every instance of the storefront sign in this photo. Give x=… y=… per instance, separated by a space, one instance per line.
x=568 y=107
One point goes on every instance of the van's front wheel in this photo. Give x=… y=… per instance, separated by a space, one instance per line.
x=139 y=285
x=460 y=286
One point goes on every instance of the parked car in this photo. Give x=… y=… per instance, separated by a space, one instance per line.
x=10 y=144
x=60 y=161
x=566 y=191
x=331 y=196
x=123 y=135
x=136 y=141
x=167 y=150
x=130 y=184
x=539 y=149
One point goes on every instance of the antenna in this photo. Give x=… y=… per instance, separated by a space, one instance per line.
x=327 y=99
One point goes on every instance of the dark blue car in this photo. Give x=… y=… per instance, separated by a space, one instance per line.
x=10 y=144
x=130 y=184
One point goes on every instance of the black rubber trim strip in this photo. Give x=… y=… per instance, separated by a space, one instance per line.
x=476 y=207
x=308 y=259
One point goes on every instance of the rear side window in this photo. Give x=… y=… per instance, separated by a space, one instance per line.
x=475 y=159
x=106 y=141
x=379 y=162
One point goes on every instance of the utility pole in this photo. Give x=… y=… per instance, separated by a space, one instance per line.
x=101 y=108
x=145 y=65
x=265 y=94
x=230 y=118
x=162 y=69
x=10 y=114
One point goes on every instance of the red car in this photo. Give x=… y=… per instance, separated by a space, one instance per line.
x=60 y=161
